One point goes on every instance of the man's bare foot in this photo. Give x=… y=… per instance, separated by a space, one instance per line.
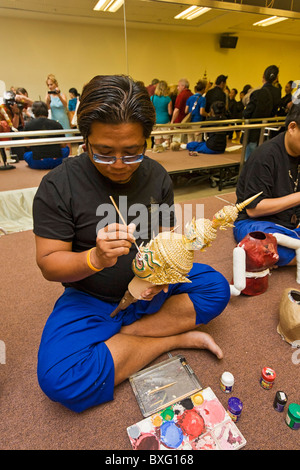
x=199 y=340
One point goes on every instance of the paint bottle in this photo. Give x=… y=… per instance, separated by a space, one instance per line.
x=268 y=376
x=280 y=401
x=235 y=407
x=292 y=418
x=226 y=382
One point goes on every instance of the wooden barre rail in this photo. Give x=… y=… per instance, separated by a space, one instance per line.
x=76 y=139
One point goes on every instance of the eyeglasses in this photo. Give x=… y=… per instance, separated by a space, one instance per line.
x=109 y=160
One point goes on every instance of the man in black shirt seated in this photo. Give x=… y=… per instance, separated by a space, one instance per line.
x=82 y=243
x=274 y=168
x=44 y=157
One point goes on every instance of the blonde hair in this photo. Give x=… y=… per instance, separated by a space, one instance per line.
x=52 y=78
x=173 y=89
x=162 y=88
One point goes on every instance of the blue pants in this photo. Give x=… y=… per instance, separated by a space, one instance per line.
x=243 y=227
x=75 y=367
x=46 y=163
x=200 y=147
x=251 y=146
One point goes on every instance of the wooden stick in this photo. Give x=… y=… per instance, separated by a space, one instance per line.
x=121 y=217
x=161 y=388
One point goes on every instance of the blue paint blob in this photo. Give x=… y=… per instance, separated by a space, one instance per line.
x=171 y=436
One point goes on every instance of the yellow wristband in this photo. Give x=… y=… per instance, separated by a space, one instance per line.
x=88 y=260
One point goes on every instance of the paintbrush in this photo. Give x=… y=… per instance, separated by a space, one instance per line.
x=121 y=217
x=161 y=388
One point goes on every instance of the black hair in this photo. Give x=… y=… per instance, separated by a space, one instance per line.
x=218 y=108
x=293 y=115
x=39 y=108
x=246 y=89
x=221 y=79
x=115 y=99
x=74 y=92
x=271 y=73
x=200 y=85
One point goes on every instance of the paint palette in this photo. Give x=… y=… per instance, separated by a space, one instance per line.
x=165 y=383
x=198 y=422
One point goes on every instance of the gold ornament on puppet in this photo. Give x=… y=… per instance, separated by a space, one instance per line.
x=169 y=257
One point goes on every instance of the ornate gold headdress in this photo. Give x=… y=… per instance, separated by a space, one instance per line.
x=169 y=257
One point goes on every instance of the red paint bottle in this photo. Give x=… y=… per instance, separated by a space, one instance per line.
x=268 y=377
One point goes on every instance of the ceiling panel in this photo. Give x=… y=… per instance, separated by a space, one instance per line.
x=159 y=14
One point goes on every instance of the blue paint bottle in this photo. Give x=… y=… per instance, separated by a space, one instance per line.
x=235 y=407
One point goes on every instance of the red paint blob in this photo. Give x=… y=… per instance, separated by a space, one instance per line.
x=191 y=423
x=147 y=442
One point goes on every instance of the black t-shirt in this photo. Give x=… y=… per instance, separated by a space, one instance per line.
x=72 y=203
x=214 y=94
x=272 y=170
x=44 y=151
x=216 y=140
x=264 y=102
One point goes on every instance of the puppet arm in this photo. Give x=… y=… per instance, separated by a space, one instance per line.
x=239 y=271
x=292 y=243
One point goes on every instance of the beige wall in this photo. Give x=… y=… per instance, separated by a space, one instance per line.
x=75 y=53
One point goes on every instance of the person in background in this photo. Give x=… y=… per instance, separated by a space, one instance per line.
x=246 y=93
x=25 y=103
x=151 y=88
x=173 y=92
x=196 y=106
x=232 y=104
x=11 y=115
x=73 y=105
x=44 y=157
x=57 y=102
x=184 y=93
x=232 y=112
x=286 y=101
x=273 y=168
x=264 y=103
x=216 y=141
x=217 y=92
x=163 y=109
x=74 y=97
x=198 y=111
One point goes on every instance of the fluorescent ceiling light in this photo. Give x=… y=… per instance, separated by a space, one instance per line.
x=269 y=21
x=191 y=13
x=108 y=5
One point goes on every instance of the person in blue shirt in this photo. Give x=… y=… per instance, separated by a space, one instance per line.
x=196 y=103
x=74 y=97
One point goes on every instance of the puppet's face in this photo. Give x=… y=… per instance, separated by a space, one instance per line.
x=261 y=251
x=144 y=264
x=225 y=217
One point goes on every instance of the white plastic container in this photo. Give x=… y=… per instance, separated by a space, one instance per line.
x=226 y=382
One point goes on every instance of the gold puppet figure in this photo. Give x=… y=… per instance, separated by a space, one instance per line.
x=169 y=257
